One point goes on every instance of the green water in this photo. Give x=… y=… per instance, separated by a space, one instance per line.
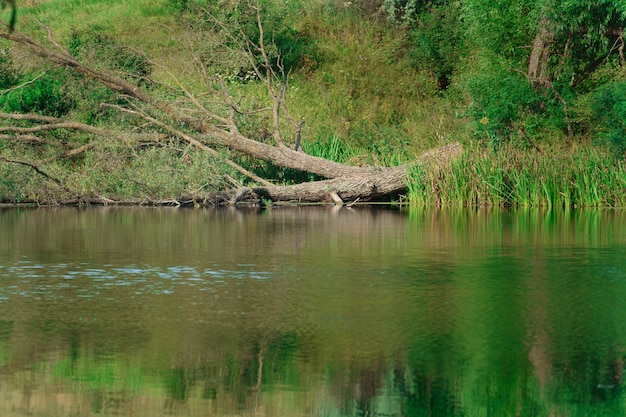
x=312 y=312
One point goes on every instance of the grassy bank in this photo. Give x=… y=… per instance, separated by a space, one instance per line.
x=364 y=99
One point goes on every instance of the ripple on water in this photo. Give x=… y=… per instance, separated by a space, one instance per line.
x=84 y=280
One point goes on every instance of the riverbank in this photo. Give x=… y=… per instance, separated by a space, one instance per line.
x=358 y=94
x=584 y=176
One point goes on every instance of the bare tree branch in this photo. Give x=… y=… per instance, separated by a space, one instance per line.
x=345 y=183
x=192 y=142
x=17 y=87
x=23 y=138
x=41 y=172
x=53 y=123
x=30 y=117
x=268 y=77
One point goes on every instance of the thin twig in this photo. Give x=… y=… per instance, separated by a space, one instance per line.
x=17 y=87
x=52 y=39
x=229 y=101
x=40 y=172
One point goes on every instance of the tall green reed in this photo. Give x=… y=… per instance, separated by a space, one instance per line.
x=586 y=177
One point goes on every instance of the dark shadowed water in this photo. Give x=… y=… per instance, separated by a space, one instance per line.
x=312 y=312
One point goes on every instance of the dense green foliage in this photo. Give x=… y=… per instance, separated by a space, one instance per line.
x=527 y=67
x=42 y=93
x=580 y=55
x=609 y=114
x=377 y=81
x=486 y=57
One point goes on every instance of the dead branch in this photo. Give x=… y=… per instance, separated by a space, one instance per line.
x=22 y=138
x=52 y=126
x=30 y=117
x=344 y=182
x=232 y=109
x=41 y=172
x=296 y=146
x=53 y=123
x=73 y=152
x=269 y=75
x=25 y=84
x=192 y=142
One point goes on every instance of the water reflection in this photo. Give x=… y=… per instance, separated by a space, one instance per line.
x=312 y=311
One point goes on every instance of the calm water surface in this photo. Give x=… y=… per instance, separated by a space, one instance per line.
x=312 y=312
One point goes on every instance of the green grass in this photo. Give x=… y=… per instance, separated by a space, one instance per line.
x=583 y=177
x=362 y=100
x=144 y=25
x=357 y=85
x=127 y=18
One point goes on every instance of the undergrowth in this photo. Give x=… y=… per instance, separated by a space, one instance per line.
x=363 y=100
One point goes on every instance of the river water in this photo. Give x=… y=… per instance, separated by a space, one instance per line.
x=312 y=312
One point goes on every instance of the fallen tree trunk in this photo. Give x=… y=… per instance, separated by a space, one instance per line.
x=344 y=182
x=279 y=155
x=366 y=187
x=384 y=183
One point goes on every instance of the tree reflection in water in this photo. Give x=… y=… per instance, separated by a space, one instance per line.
x=299 y=312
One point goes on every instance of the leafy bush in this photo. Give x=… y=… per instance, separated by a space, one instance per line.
x=9 y=74
x=609 y=113
x=500 y=101
x=107 y=52
x=45 y=95
x=179 y=5
x=436 y=43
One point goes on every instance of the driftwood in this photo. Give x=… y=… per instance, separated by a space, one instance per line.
x=210 y=129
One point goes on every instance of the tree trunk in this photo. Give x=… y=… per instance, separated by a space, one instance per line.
x=365 y=187
x=344 y=183
x=539 y=61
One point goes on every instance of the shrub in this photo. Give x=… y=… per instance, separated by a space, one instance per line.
x=46 y=95
x=436 y=43
x=9 y=74
x=179 y=5
x=107 y=52
x=609 y=114
x=500 y=100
